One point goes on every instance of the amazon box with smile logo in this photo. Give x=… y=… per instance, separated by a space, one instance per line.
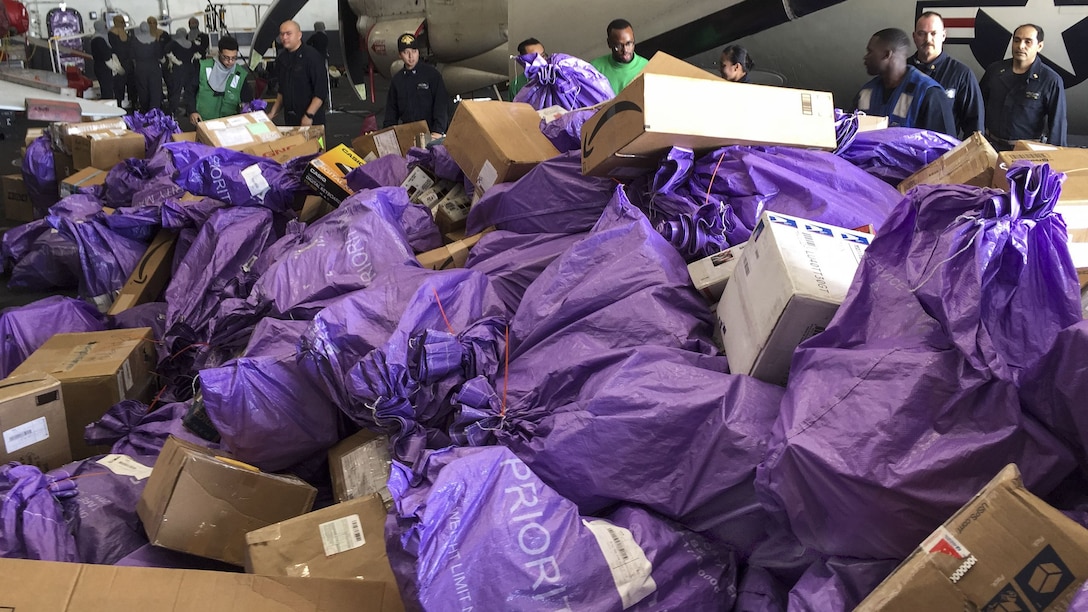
x=673 y=103
x=152 y=273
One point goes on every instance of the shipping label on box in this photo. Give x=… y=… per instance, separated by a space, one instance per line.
x=96 y=370
x=105 y=149
x=970 y=163
x=87 y=177
x=17 y=205
x=202 y=503
x=360 y=466
x=416 y=183
x=789 y=281
x=1005 y=549
x=238 y=131
x=65 y=132
x=152 y=273
x=394 y=140
x=710 y=274
x=327 y=175
x=33 y=429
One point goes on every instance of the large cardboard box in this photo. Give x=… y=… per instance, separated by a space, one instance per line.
x=285 y=149
x=238 y=131
x=152 y=273
x=17 y=206
x=202 y=503
x=970 y=163
x=360 y=465
x=791 y=278
x=453 y=255
x=33 y=430
x=1005 y=549
x=711 y=274
x=1032 y=145
x=96 y=370
x=394 y=140
x=327 y=175
x=106 y=149
x=313 y=208
x=675 y=104
x=64 y=133
x=496 y=142
x=45 y=586
x=87 y=177
x=342 y=541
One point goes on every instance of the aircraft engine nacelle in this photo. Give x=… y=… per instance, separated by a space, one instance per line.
x=461 y=29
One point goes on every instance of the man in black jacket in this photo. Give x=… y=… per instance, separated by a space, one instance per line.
x=303 y=80
x=417 y=91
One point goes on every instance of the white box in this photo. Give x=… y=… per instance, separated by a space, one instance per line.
x=417 y=182
x=789 y=281
x=710 y=274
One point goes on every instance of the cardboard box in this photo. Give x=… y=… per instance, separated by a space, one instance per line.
x=183 y=137
x=313 y=208
x=451 y=212
x=87 y=177
x=285 y=149
x=63 y=165
x=64 y=133
x=152 y=273
x=970 y=163
x=453 y=255
x=1033 y=145
x=711 y=274
x=32 y=134
x=327 y=174
x=394 y=140
x=1073 y=162
x=359 y=466
x=46 y=586
x=96 y=370
x=309 y=132
x=868 y=123
x=106 y=149
x=675 y=104
x=342 y=541
x=417 y=182
x=496 y=142
x=33 y=430
x=790 y=279
x=237 y=131
x=202 y=503
x=1005 y=549
x=17 y=206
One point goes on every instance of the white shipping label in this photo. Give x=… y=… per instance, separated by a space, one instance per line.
x=232 y=137
x=123 y=465
x=255 y=180
x=236 y=120
x=386 y=143
x=631 y=570
x=214 y=125
x=124 y=379
x=22 y=436
x=487 y=177
x=366 y=469
x=341 y=535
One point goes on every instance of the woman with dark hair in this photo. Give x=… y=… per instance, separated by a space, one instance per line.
x=736 y=63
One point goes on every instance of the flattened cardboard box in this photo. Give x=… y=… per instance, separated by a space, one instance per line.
x=96 y=370
x=202 y=503
x=342 y=541
x=106 y=149
x=45 y=586
x=453 y=255
x=1005 y=549
x=360 y=465
x=33 y=429
x=87 y=177
x=237 y=131
x=969 y=163
x=327 y=175
x=394 y=140
x=151 y=274
x=675 y=104
x=496 y=142
x=17 y=206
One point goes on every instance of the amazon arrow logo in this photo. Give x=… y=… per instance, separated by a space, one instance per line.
x=622 y=106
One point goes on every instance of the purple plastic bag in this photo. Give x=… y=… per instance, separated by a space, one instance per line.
x=340 y=253
x=40 y=176
x=16 y=242
x=155 y=126
x=759 y=591
x=267 y=411
x=130 y=429
x=125 y=180
x=893 y=154
x=513 y=261
x=102 y=513
x=435 y=159
x=23 y=329
x=963 y=290
x=1053 y=390
x=254 y=105
x=137 y=223
x=31 y=521
x=565 y=132
x=386 y=171
x=177 y=214
x=51 y=263
x=562 y=80
x=530 y=548
x=573 y=203
x=239 y=179
x=838 y=584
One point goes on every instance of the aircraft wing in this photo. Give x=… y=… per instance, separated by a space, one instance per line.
x=13 y=98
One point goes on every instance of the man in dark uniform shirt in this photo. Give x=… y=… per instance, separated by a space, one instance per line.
x=417 y=91
x=199 y=39
x=1025 y=98
x=303 y=80
x=956 y=78
x=899 y=92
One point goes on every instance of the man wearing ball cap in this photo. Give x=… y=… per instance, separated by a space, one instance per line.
x=417 y=91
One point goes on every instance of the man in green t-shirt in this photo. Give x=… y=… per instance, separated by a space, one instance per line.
x=622 y=65
x=525 y=47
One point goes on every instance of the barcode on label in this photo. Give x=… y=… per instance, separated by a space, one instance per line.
x=631 y=570
x=809 y=242
x=18 y=438
x=341 y=535
x=618 y=544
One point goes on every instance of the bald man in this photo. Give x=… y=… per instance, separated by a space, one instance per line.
x=303 y=81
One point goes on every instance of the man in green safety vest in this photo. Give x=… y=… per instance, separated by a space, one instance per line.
x=220 y=85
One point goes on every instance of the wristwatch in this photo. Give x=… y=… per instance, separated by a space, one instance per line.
x=309 y=115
